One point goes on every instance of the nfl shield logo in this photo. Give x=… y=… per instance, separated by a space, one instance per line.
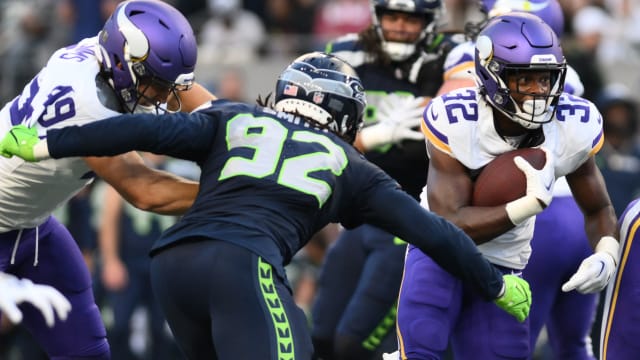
x=318 y=97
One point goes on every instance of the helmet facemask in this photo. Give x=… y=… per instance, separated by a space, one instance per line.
x=427 y=12
x=159 y=88
x=147 y=54
x=539 y=108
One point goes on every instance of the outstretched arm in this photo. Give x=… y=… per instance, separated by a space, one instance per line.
x=448 y=246
x=180 y=135
x=146 y=188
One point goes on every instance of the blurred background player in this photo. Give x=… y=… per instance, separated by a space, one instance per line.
x=274 y=175
x=518 y=103
x=559 y=241
x=399 y=59
x=144 y=55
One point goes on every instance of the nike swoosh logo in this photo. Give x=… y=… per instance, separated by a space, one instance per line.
x=601 y=268
x=434 y=115
x=548 y=187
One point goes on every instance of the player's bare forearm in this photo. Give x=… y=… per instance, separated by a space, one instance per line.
x=482 y=224
x=590 y=192
x=146 y=188
x=449 y=192
x=177 y=194
x=599 y=224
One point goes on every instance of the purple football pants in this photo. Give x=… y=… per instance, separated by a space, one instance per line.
x=620 y=332
x=558 y=247
x=49 y=255
x=434 y=308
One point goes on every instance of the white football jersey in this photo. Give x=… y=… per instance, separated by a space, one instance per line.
x=64 y=93
x=459 y=64
x=460 y=123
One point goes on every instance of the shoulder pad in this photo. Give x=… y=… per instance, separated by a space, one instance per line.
x=348 y=48
x=348 y=42
x=444 y=42
x=459 y=61
x=575 y=134
x=582 y=120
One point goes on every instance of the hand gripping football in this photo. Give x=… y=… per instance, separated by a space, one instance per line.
x=501 y=181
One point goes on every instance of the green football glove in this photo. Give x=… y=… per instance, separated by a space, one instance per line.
x=19 y=142
x=516 y=299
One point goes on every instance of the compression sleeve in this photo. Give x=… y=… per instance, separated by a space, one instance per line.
x=445 y=243
x=180 y=135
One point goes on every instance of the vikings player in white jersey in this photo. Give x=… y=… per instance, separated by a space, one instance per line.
x=518 y=103
x=559 y=243
x=143 y=56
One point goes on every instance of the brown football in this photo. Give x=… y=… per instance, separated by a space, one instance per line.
x=501 y=181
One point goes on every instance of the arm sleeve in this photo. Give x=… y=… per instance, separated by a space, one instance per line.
x=180 y=135
x=396 y=212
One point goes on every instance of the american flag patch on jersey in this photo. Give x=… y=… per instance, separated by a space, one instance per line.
x=291 y=90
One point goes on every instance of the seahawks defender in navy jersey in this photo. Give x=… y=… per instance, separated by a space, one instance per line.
x=270 y=179
x=400 y=60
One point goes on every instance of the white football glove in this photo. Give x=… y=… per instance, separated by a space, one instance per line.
x=398 y=118
x=391 y=356
x=45 y=298
x=539 y=189
x=594 y=272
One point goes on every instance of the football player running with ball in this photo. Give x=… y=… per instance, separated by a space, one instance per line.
x=272 y=176
x=518 y=103
x=559 y=242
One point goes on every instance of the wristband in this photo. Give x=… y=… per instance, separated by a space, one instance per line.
x=609 y=245
x=523 y=208
x=41 y=150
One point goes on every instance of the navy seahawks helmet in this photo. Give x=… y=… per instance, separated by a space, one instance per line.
x=324 y=89
x=515 y=43
x=431 y=10
x=150 y=40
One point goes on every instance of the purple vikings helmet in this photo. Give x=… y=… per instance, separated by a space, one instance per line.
x=515 y=43
x=324 y=89
x=550 y=11
x=431 y=10
x=147 y=40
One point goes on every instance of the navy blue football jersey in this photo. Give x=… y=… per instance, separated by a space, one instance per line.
x=269 y=182
x=416 y=77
